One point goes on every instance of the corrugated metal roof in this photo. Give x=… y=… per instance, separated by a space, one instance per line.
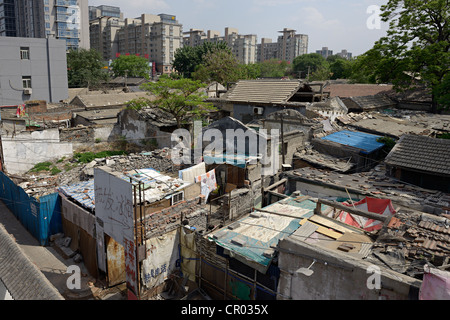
x=156 y=187
x=364 y=141
x=253 y=236
x=263 y=91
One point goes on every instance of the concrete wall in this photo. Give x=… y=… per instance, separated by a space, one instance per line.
x=26 y=149
x=309 y=129
x=292 y=141
x=106 y=132
x=47 y=67
x=342 y=278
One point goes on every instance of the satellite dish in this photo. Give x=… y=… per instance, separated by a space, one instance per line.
x=307 y=271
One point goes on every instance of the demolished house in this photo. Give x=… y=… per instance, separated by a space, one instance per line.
x=150 y=126
x=292 y=120
x=360 y=148
x=331 y=108
x=307 y=248
x=158 y=203
x=324 y=183
x=328 y=259
x=385 y=125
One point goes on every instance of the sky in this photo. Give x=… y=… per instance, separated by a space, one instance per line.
x=336 y=24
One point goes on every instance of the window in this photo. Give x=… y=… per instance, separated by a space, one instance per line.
x=26 y=82
x=177 y=197
x=25 y=53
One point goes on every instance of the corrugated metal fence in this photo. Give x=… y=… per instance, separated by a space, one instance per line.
x=42 y=218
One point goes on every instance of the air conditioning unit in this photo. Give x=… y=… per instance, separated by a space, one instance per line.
x=176 y=197
x=258 y=110
x=27 y=91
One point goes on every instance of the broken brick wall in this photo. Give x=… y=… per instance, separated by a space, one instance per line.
x=79 y=134
x=168 y=219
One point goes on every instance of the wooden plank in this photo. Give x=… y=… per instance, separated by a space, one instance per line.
x=327 y=223
x=306 y=230
x=351 y=210
x=276 y=184
x=323 y=230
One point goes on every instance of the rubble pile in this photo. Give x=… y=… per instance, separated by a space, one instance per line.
x=39 y=184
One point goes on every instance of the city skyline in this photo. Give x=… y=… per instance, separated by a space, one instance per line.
x=334 y=24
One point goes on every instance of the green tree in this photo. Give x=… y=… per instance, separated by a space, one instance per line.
x=85 y=68
x=416 y=46
x=131 y=66
x=364 y=67
x=182 y=98
x=341 y=68
x=250 y=71
x=310 y=63
x=443 y=92
x=187 y=59
x=321 y=74
x=219 y=65
x=274 y=68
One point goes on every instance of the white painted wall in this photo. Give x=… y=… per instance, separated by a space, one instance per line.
x=24 y=150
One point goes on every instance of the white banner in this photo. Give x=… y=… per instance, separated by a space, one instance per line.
x=161 y=261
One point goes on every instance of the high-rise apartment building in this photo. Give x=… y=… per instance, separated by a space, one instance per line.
x=104 y=23
x=155 y=37
x=345 y=54
x=7 y=18
x=325 y=52
x=104 y=11
x=103 y=35
x=289 y=45
x=292 y=44
x=62 y=19
x=243 y=47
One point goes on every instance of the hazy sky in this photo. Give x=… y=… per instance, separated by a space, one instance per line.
x=336 y=24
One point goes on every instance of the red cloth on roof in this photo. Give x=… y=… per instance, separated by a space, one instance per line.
x=379 y=206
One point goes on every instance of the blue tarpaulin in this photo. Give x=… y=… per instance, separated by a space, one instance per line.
x=366 y=142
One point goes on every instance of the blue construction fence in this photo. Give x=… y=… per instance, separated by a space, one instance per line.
x=42 y=218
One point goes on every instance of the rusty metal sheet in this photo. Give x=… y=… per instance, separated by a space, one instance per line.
x=115 y=260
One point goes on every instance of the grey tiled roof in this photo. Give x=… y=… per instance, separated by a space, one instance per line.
x=21 y=277
x=373 y=102
x=421 y=153
x=263 y=91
